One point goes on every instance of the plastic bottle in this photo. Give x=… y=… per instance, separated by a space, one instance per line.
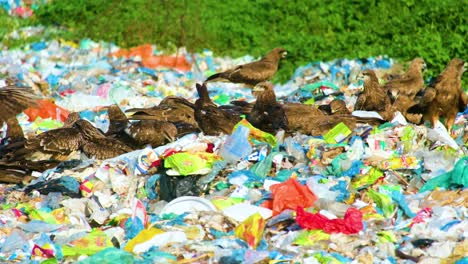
x=237 y=145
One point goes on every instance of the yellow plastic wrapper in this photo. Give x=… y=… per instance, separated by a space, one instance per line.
x=368 y=179
x=225 y=202
x=257 y=133
x=310 y=237
x=190 y=163
x=91 y=244
x=251 y=230
x=142 y=237
x=400 y=163
x=337 y=134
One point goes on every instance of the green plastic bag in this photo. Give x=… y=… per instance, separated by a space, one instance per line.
x=458 y=177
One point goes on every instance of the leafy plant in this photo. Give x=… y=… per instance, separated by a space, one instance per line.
x=310 y=30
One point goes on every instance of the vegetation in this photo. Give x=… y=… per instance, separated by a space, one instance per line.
x=310 y=30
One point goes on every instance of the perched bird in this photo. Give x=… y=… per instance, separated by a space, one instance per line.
x=410 y=83
x=211 y=119
x=54 y=144
x=267 y=114
x=94 y=144
x=252 y=73
x=374 y=97
x=140 y=133
x=171 y=109
x=335 y=107
x=320 y=125
x=444 y=97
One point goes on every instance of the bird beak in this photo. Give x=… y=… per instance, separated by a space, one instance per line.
x=424 y=66
x=465 y=66
x=168 y=137
x=284 y=54
x=258 y=88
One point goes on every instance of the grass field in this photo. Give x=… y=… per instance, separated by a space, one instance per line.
x=310 y=30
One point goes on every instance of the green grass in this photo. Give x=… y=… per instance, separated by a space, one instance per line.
x=310 y=30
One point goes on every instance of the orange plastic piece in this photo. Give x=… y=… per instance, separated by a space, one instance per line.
x=47 y=109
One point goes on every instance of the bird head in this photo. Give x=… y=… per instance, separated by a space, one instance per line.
x=337 y=106
x=365 y=75
x=263 y=86
x=115 y=113
x=418 y=63
x=279 y=53
x=393 y=94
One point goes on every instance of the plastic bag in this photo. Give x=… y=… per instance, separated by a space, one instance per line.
x=457 y=177
x=109 y=255
x=350 y=224
x=289 y=195
x=251 y=230
x=237 y=145
x=47 y=109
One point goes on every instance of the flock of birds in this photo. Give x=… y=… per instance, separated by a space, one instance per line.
x=177 y=116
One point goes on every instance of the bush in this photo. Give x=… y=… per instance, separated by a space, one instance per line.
x=310 y=30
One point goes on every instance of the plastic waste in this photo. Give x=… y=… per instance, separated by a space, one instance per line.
x=236 y=146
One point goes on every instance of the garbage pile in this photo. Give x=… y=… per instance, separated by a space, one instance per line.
x=394 y=193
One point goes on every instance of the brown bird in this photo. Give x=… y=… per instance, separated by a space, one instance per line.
x=54 y=144
x=374 y=97
x=410 y=83
x=94 y=144
x=140 y=133
x=172 y=109
x=335 y=107
x=252 y=73
x=211 y=119
x=267 y=114
x=320 y=125
x=444 y=97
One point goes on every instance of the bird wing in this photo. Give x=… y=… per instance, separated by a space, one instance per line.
x=58 y=140
x=360 y=102
x=253 y=73
x=14 y=100
x=105 y=149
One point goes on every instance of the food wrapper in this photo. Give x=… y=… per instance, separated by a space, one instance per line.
x=251 y=230
x=337 y=134
x=142 y=237
x=91 y=244
x=190 y=163
x=257 y=133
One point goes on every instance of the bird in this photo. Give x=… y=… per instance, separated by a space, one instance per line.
x=141 y=133
x=54 y=144
x=410 y=83
x=94 y=144
x=374 y=97
x=444 y=97
x=211 y=119
x=13 y=101
x=335 y=107
x=172 y=109
x=267 y=114
x=252 y=73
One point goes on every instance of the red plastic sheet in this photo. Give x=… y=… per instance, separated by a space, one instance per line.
x=289 y=195
x=47 y=109
x=350 y=224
